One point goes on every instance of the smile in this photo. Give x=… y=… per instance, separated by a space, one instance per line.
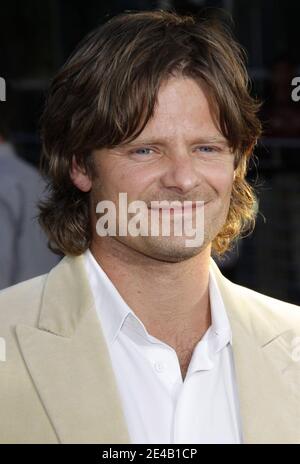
x=175 y=210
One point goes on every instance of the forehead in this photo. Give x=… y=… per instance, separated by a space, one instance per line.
x=182 y=106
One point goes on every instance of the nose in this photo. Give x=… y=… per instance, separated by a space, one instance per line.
x=180 y=174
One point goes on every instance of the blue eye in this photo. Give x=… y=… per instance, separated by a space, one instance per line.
x=207 y=149
x=139 y=149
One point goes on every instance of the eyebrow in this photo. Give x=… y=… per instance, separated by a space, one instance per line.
x=159 y=141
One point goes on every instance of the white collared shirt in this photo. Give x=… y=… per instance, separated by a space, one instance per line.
x=159 y=407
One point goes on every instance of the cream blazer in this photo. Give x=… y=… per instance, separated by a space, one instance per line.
x=57 y=384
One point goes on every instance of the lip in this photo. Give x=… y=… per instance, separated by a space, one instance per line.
x=185 y=208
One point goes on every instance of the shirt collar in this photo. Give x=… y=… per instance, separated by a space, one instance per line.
x=116 y=315
x=220 y=328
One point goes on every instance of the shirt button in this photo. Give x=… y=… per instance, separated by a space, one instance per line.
x=159 y=366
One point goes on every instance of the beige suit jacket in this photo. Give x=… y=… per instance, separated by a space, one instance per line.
x=57 y=384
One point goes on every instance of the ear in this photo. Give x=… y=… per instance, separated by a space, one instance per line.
x=79 y=177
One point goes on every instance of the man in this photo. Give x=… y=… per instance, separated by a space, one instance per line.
x=23 y=249
x=137 y=338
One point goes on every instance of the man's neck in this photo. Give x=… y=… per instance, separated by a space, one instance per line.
x=171 y=299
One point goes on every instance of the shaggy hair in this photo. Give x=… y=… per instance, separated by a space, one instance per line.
x=106 y=92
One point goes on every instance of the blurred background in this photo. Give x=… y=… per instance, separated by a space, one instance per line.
x=36 y=38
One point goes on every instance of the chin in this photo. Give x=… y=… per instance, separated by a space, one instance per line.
x=170 y=249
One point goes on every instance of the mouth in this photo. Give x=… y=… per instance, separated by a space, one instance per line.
x=175 y=210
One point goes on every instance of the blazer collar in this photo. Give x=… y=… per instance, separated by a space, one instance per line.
x=69 y=362
x=250 y=310
x=67 y=297
x=268 y=376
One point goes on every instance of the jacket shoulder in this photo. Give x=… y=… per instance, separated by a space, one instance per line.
x=271 y=307
x=20 y=303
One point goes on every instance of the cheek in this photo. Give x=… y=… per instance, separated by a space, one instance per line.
x=135 y=179
x=130 y=183
x=110 y=180
x=115 y=179
x=221 y=181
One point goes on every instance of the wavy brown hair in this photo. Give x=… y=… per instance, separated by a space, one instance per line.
x=106 y=92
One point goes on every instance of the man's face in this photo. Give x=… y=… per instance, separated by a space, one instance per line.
x=180 y=155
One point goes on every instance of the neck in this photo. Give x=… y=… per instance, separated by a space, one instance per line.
x=169 y=298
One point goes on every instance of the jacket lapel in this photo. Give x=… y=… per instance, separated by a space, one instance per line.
x=69 y=362
x=268 y=377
